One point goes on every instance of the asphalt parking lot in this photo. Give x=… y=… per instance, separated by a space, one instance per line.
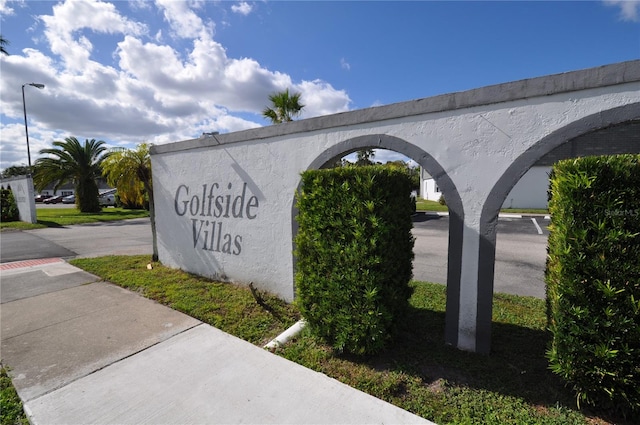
x=508 y=224
x=524 y=225
x=521 y=252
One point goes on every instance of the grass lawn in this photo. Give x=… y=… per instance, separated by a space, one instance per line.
x=417 y=373
x=228 y=307
x=59 y=217
x=424 y=205
x=11 y=412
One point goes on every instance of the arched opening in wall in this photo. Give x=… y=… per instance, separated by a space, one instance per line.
x=521 y=241
x=620 y=120
x=438 y=245
x=430 y=222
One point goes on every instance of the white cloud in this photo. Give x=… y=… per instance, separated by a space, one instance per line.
x=320 y=98
x=184 y=22
x=242 y=8
x=384 y=156
x=344 y=64
x=230 y=123
x=629 y=9
x=5 y=10
x=139 y=4
x=100 y=17
x=152 y=91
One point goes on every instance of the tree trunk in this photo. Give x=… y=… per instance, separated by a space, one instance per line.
x=87 y=196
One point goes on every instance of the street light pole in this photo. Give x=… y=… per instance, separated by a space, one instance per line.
x=24 y=108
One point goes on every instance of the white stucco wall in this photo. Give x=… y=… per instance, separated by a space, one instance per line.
x=473 y=136
x=255 y=234
x=22 y=188
x=494 y=134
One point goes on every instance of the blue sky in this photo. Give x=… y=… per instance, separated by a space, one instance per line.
x=167 y=70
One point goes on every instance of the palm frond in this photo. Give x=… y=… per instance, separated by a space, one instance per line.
x=284 y=106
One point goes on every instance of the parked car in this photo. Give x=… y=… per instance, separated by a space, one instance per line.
x=53 y=200
x=71 y=199
x=41 y=198
x=107 y=200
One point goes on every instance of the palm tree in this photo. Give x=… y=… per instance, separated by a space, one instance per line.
x=131 y=191
x=3 y=42
x=70 y=161
x=365 y=157
x=284 y=107
x=127 y=170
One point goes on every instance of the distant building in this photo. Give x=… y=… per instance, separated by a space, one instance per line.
x=70 y=189
x=529 y=192
x=64 y=190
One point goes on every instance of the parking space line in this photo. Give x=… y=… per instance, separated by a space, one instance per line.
x=535 y=223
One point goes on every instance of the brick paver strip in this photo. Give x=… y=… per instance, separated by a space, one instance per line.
x=29 y=263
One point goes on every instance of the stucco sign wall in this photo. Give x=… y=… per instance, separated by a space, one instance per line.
x=210 y=210
x=225 y=203
x=22 y=188
x=221 y=223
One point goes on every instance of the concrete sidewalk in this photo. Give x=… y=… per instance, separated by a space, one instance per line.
x=83 y=351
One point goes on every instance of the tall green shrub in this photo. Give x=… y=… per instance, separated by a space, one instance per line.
x=354 y=253
x=593 y=279
x=8 y=205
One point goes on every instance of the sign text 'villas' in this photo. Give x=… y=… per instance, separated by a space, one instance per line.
x=210 y=209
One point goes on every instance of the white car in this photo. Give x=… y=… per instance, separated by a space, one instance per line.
x=71 y=199
x=107 y=200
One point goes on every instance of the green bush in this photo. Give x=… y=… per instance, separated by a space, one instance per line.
x=593 y=280
x=354 y=251
x=8 y=205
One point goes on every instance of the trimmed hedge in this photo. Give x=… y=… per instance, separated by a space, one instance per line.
x=8 y=205
x=593 y=280
x=354 y=251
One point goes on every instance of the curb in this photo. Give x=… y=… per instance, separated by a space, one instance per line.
x=439 y=213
